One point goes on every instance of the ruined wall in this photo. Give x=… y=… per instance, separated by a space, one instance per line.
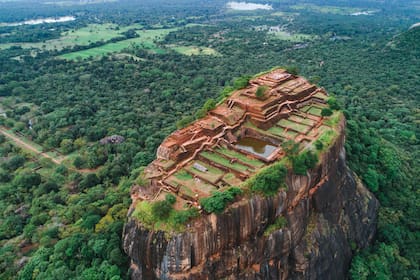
x=328 y=213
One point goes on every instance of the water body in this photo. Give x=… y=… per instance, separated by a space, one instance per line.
x=245 y=6
x=364 y=13
x=256 y=146
x=39 y=21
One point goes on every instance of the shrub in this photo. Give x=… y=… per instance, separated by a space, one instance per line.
x=318 y=145
x=260 y=92
x=292 y=69
x=326 y=112
x=303 y=162
x=210 y=104
x=279 y=223
x=218 y=201
x=170 y=198
x=184 y=122
x=269 y=180
x=332 y=102
x=241 y=82
x=161 y=209
x=181 y=217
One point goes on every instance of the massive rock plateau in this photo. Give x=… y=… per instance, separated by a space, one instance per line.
x=328 y=212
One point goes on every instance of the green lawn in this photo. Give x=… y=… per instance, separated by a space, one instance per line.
x=291 y=134
x=224 y=161
x=292 y=37
x=293 y=125
x=146 y=40
x=212 y=175
x=315 y=111
x=234 y=154
x=82 y=37
x=302 y=120
x=276 y=130
x=183 y=175
x=194 y=50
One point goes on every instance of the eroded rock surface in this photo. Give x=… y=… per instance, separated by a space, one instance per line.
x=329 y=213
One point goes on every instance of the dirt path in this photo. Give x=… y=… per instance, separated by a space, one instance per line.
x=57 y=160
x=29 y=147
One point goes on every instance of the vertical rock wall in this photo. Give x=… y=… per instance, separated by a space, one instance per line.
x=329 y=212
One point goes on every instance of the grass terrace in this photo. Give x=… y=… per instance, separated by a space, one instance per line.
x=316 y=111
x=231 y=179
x=242 y=157
x=217 y=158
x=213 y=174
x=188 y=185
x=285 y=123
x=301 y=120
x=276 y=130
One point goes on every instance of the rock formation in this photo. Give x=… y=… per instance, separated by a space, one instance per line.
x=325 y=215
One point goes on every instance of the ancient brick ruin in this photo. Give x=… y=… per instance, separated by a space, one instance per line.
x=236 y=139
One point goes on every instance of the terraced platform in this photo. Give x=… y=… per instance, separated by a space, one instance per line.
x=236 y=139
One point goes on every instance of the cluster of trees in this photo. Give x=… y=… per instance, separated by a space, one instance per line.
x=268 y=181
x=218 y=201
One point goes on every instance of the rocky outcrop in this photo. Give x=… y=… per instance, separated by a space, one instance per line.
x=329 y=214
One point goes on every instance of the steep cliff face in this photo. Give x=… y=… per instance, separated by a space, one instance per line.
x=329 y=213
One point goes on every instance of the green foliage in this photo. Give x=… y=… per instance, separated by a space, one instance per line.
x=210 y=104
x=304 y=161
x=333 y=103
x=13 y=163
x=225 y=93
x=161 y=209
x=269 y=180
x=279 y=223
x=241 y=82
x=185 y=121
x=319 y=145
x=183 y=216
x=291 y=148
x=326 y=112
x=260 y=92
x=79 y=162
x=217 y=202
x=292 y=69
x=371 y=178
x=170 y=198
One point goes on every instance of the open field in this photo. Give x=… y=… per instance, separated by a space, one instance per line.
x=82 y=37
x=292 y=37
x=146 y=40
x=194 y=50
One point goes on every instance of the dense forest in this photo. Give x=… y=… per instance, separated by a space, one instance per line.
x=63 y=203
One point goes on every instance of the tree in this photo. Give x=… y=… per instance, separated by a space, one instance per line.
x=67 y=146
x=326 y=112
x=270 y=180
x=260 y=92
